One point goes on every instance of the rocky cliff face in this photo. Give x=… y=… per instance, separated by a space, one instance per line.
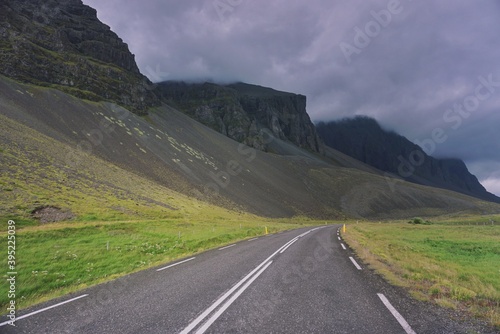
x=62 y=44
x=245 y=112
x=362 y=138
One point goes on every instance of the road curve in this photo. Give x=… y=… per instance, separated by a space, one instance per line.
x=301 y=281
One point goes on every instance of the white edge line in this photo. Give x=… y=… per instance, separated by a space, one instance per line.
x=252 y=239
x=289 y=244
x=212 y=307
x=227 y=247
x=221 y=310
x=355 y=263
x=43 y=309
x=175 y=264
x=396 y=314
x=339 y=238
x=343 y=246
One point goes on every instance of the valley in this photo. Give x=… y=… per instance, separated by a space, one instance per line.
x=108 y=179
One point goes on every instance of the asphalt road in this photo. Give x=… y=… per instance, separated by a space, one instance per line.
x=302 y=281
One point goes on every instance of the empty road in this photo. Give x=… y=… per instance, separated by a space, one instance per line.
x=301 y=281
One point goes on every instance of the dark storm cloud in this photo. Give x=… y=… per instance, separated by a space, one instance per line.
x=404 y=62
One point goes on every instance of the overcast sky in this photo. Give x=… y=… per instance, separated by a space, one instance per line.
x=429 y=70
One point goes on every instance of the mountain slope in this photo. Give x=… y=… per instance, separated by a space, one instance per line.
x=175 y=152
x=62 y=44
x=362 y=138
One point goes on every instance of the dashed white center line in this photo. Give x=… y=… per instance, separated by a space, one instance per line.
x=175 y=264
x=227 y=247
x=396 y=314
x=341 y=244
x=355 y=263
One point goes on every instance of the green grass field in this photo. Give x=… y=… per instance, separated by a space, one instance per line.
x=58 y=258
x=454 y=262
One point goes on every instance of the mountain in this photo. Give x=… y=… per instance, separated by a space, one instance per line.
x=245 y=112
x=62 y=44
x=364 y=139
x=56 y=149
x=83 y=133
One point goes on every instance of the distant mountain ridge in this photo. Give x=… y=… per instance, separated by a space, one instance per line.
x=364 y=139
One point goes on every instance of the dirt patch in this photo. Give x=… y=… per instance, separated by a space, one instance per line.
x=51 y=214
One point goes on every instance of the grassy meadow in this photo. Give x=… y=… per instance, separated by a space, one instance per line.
x=454 y=262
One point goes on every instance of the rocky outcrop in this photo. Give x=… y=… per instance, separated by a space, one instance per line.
x=362 y=138
x=62 y=44
x=245 y=112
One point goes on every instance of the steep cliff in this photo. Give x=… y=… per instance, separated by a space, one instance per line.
x=62 y=44
x=245 y=112
x=362 y=138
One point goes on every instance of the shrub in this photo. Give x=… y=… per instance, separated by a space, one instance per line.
x=419 y=221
